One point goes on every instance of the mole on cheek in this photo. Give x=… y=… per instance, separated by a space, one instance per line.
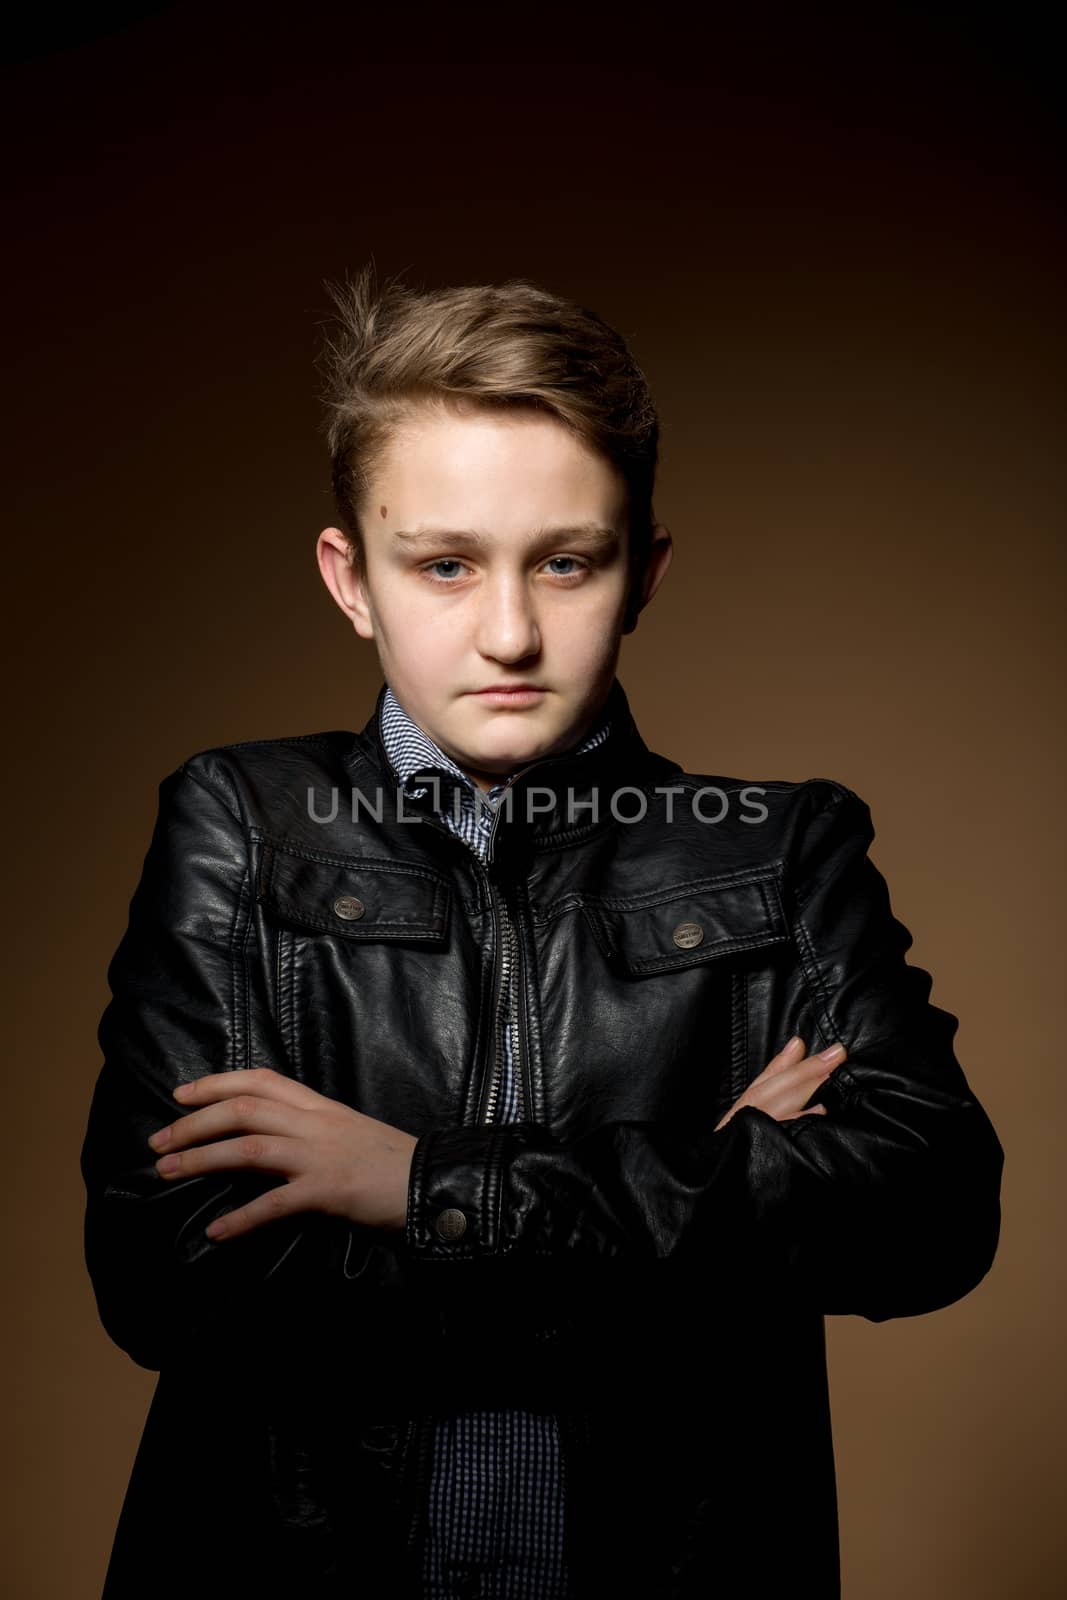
x=382 y=510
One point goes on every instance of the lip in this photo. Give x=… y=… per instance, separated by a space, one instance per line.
x=507 y=695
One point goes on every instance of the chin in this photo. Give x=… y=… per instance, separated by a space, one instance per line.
x=515 y=756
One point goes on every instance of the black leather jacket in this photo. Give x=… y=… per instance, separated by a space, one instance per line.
x=609 y=1257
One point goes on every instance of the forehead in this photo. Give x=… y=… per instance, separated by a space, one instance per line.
x=487 y=470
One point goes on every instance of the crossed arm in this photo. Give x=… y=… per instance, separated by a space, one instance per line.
x=339 y=1161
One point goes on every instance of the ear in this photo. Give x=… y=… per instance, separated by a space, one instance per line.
x=342 y=576
x=658 y=559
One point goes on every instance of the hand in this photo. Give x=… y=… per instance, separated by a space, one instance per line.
x=787 y=1081
x=336 y=1159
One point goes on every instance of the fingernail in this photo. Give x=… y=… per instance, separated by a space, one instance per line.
x=168 y=1164
x=158 y=1140
x=794 y=1041
x=832 y=1053
x=183 y=1090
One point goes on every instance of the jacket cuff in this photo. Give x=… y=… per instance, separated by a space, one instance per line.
x=454 y=1192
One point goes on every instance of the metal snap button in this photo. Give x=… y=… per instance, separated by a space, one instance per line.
x=451 y=1223
x=687 y=934
x=348 y=907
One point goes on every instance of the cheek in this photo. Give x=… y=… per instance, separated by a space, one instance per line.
x=590 y=632
x=416 y=627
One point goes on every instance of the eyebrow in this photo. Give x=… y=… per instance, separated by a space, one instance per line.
x=589 y=533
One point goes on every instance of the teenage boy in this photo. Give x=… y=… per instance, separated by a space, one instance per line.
x=490 y=1110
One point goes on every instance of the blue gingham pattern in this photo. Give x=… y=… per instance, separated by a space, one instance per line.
x=496 y=1495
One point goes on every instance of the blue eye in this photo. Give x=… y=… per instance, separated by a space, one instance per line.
x=445 y=561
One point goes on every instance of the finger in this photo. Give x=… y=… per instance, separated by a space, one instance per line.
x=813 y=1069
x=267 y=1154
x=245 y=1080
x=783 y=1060
x=787 y=1091
x=790 y=1052
x=246 y=1112
x=832 y=1056
x=282 y=1201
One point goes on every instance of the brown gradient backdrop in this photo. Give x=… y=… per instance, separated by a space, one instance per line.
x=834 y=245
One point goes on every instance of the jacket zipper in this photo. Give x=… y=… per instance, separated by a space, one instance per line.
x=505 y=941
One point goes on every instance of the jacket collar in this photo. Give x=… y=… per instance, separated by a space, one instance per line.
x=553 y=801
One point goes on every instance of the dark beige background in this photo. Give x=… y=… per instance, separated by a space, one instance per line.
x=835 y=244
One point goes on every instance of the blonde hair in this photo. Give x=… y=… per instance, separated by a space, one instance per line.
x=491 y=346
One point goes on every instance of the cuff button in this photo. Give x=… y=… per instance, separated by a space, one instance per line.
x=450 y=1223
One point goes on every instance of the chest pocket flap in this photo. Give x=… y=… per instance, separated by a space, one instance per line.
x=680 y=926
x=355 y=897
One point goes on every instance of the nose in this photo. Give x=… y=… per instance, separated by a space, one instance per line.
x=508 y=629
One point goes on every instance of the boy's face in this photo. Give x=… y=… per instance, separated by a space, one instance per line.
x=485 y=566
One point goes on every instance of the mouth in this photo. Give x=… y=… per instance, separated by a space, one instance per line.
x=519 y=694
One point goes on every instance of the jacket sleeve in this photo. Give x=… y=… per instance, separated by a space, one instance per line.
x=888 y=1205
x=185 y=1001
